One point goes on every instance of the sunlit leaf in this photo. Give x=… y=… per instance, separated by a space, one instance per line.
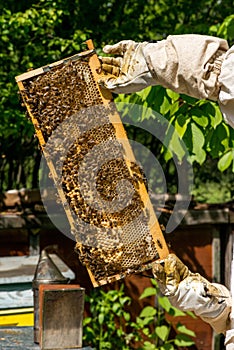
x=162 y=332
x=226 y=160
x=149 y=291
x=183 y=329
x=183 y=340
x=148 y=311
x=198 y=141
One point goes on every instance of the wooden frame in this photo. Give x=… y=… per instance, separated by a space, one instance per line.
x=106 y=97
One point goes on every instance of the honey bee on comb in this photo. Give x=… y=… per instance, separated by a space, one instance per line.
x=102 y=188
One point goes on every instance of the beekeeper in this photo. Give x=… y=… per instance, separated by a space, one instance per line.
x=196 y=65
x=202 y=67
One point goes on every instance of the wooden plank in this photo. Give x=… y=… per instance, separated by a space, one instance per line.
x=20 y=296
x=30 y=221
x=38 y=220
x=216 y=258
x=48 y=67
x=17 y=269
x=201 y=217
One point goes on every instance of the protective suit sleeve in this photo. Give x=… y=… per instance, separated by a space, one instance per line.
x=191 y=292
x=188 y=64
x=215 y=308
x=226 y=82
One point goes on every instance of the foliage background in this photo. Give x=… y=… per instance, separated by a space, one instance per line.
x=35 y=33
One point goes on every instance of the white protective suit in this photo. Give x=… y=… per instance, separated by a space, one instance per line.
x=202 y=67
x=197 y=65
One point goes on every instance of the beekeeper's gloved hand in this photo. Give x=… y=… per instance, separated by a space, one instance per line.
x=129 y=71
x=188 y=64
x=191 y=292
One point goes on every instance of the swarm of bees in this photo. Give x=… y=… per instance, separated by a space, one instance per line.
x=111 y=222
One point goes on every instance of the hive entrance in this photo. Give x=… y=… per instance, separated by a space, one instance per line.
x=99 y=182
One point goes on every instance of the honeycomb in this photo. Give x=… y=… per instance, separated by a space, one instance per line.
x=101 y=186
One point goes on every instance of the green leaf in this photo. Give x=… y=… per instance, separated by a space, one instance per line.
x=174 y=108
x=174 y=143
x=198 y=141
x=225 y=161
x=127 y=316
x=201 y=120
x=216 y=117
x=176 y=312
x=87 y=320
x=165 y=106
x=101 y=318
x=89 y=330
x=181 y=123
x=173 y=95
x=148 y=292
x=156 y=97
x=226 y=29
x=183 y=329
x=154 y=283
x=167 y=346
x=115 y=307
x=164 y=303
x=144 y=93
x=147 y=320
x=149 y=346
x=148 y=311
x=146 y=331
x=162 y=332
x=183 y=340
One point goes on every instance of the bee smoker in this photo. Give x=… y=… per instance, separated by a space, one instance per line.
x=46 y=273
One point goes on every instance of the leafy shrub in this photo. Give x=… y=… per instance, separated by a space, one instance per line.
x=110 y=326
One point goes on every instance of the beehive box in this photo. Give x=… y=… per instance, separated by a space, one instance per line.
x=100 y=184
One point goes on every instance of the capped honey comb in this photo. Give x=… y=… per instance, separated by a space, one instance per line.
x=99 y=182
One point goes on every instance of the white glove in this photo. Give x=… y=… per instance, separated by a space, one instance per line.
x=129 y=71
x=191 y=292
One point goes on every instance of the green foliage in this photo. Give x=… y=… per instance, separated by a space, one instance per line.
x=224 y=29
x=110 y=323
x=107 y=309
x=198 y=123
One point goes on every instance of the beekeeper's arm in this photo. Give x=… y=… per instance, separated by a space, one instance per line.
x=189 y=64
x=191 y=292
